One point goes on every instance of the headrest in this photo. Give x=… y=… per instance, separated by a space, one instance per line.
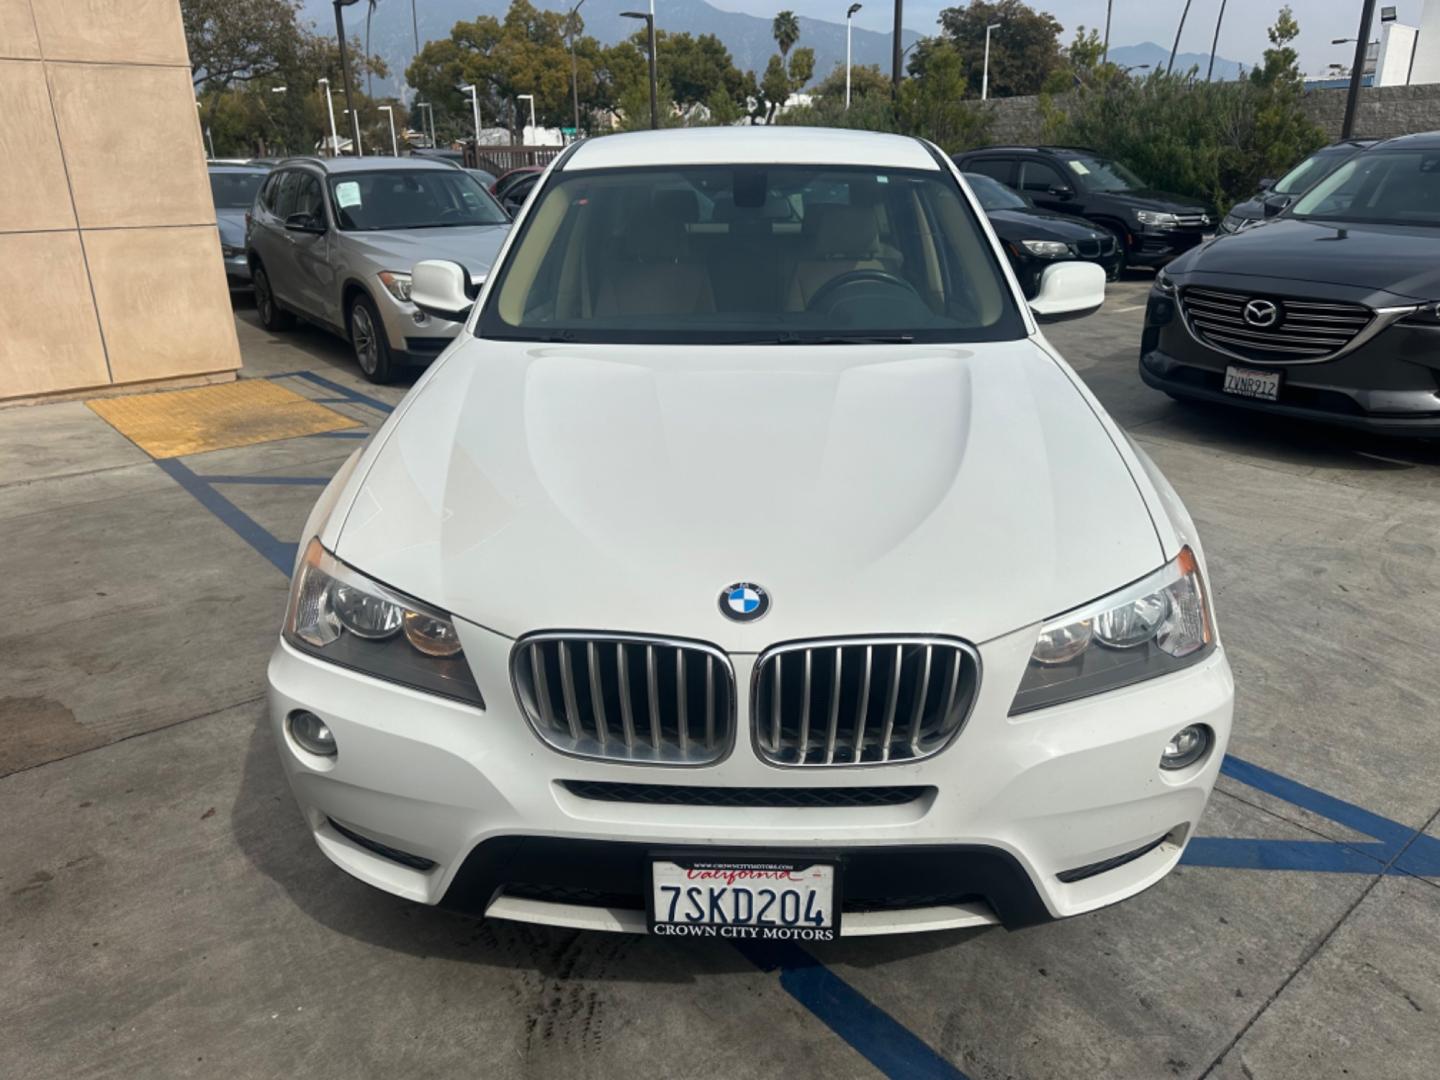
x=663 y=238
x=843 y=231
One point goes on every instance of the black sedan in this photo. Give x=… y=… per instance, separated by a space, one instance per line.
x=1034 y=239
x=1328 y=311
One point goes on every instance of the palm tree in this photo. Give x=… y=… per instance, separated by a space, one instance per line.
x=369 y=75
x=786 y=31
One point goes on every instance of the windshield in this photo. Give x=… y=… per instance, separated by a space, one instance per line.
x=751 y=254
x=1312 y=169
x=412 y=199
x=1393 y=187
x=235 y=190
x=1101 y=174
x=992 y=194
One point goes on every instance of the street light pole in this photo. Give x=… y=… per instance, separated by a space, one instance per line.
x=389 y=110
x=1105 y=58
x=570 y=21
x=530 y=98
x=430 y=112
x=654 y=82
x=1178 y=31
x=1357 y=72
x=985 y=74
x=330 y=104
x=896 y=53
x=345 y=68
x=850 y=14
x=474 y=108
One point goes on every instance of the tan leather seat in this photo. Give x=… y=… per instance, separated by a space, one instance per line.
x=841 y=239
x=654 y=273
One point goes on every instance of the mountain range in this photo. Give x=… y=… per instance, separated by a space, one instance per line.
x=1157 y=56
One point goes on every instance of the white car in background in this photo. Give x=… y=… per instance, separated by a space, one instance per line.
x=752 y=567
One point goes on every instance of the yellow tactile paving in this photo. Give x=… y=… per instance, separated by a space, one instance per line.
x=241 y=413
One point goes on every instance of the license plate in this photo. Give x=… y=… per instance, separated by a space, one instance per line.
x=1247 y=382
x=759 y=899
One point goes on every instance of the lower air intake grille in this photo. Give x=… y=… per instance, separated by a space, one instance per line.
x=862 y=701
x=789 y=798
x=624 y=698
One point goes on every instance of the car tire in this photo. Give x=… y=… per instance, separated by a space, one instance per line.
x=272 y=316
x=367 y=338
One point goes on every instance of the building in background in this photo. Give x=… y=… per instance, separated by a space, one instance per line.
x=113 y=273
x=1409 y=54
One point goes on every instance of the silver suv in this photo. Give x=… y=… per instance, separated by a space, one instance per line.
x=333 y=241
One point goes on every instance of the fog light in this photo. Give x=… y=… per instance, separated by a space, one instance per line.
x=1186 y=746
x=311 y=733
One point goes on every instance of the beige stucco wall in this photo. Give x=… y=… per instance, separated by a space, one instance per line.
x=112 y=270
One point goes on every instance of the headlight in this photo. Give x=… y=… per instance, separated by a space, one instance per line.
x=1158 y=218
x=1046 y=249
x=397 y=284
x=1233 y=223
x=1165 y=283
x=1425 y=315
x=230 y=251
x=1160 y=624
x=339 y=615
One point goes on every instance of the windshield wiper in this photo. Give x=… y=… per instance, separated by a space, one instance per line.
x=861 y=339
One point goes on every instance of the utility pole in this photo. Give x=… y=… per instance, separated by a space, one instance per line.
x=1216 y=42
x=1357 y=71
x=895 y=52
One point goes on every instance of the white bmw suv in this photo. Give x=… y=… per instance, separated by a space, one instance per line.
x=752 y=567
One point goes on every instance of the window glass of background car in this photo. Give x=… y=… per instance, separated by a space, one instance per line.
x=998 y=169
x=308 y=198
x=755 y=254
x=1310 y=170
x=1038 y=178
x=1399 y=187
x=994 y=195
x=283 y=197
x=1101 y=174
x=411 y=199
x=235 y=190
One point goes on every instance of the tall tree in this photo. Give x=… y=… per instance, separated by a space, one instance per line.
x=786 y=31
x=233 y=42
x=1024 y=52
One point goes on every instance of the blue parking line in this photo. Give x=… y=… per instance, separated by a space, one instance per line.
x=1316 y=856
x=339 y=388
x=319 y=481
x=1337 y=810
x=280 y=554
x=872 y=1032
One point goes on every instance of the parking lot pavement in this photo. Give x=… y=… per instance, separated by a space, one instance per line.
x=163 y=913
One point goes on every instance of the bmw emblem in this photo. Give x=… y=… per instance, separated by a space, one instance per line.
x=744 y=601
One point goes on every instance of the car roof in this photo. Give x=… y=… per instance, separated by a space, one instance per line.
x=748 y=145
x=236 y=168
x=1421 y=140
x=369 y=163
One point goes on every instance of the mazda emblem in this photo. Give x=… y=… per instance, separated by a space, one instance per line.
x=1261 y=313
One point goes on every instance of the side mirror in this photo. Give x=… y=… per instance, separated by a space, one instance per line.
x=443 y=289
x=1069 y=290
x=1267 y=183
x=304 y=223
x=1275 y=203
x=1062 y=191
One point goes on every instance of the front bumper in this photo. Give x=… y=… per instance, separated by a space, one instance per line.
x=1150 y=246
x=1390 y=385
x=237 y=271
x=478 y=814
x=414 y=336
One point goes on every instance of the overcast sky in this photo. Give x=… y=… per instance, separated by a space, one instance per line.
x=1242 y=37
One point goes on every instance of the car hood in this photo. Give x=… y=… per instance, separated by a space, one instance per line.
x=1151 y=199
x=1381 y=258
x=901 y=489
x=472 y=246
x=232 y=227
x=1036 y=225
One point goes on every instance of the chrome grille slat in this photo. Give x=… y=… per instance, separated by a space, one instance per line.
x=884 y=699
x=572 y=687
x=1305 y=330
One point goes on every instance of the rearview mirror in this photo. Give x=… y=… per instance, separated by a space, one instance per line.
x=443 y=289
x=1267 y=183
x=1275 y=203
x=1069 y=290
x=1062 y=191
